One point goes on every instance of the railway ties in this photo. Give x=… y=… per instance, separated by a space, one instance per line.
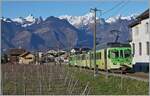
x=124 y=76
x=118 y=75
x=131 y=77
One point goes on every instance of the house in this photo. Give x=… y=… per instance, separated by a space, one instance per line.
x=48 y=57
x=14 y=53
x=26 y=58
x=85 y=49
x=75 y=50
x=79 y=50
x=140 y=42
x=52 y=52
x=40 y=54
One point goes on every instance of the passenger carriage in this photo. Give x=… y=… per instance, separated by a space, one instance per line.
x=109 y=56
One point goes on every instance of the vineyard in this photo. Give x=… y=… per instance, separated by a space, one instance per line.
x=51 y=79
x=40 y=80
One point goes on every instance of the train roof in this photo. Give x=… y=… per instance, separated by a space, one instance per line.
x=110 y=45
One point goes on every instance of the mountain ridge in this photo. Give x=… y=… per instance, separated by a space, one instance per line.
x=59 y=32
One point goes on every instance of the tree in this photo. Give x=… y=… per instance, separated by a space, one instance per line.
x=4 y=58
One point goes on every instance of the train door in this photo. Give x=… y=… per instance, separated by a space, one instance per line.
x=75 y=60
x=105 y=59
x=90 y=59
x=86 y=58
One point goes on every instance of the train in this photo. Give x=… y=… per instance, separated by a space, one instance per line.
x=109 y=56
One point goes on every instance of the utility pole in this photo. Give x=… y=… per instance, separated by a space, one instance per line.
x=94 y=47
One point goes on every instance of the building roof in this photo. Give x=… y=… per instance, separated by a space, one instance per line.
x=16 y=51
x=111 y=44
x=139 y=18
x=134 y=23
x=77 y=49
x=25 y=54
x=85 y=49
x=144 y=15
x=51 y=51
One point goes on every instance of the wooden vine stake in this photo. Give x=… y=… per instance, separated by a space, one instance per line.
x=85 y=88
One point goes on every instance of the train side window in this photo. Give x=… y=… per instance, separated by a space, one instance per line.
x=83 y=57
x=109 y=54
x=98 y=55
x=92 y=56
x=78 y=57
x=116 y=54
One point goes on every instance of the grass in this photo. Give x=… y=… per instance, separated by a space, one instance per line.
x=101 y=85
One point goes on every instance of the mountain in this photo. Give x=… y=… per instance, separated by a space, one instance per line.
x=104 y=27
x=28 y=21
x=78 y=21
x=88 y=18
x=61 y=32
x=51 y=33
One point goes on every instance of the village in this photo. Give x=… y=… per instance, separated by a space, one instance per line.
x=22 y=56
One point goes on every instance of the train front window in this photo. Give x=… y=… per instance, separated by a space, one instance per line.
x=127 y=53
x=114 y=54
x=121 y=53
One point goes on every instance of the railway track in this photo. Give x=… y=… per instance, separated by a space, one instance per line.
x=127 y=75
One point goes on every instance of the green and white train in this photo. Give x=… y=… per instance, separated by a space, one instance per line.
x=110 y=56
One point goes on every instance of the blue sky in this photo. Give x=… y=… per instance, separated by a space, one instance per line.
x=13 y=9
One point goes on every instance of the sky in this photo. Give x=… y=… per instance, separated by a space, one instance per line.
x=13 y=9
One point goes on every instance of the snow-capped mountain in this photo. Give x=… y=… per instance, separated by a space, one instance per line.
x=36 y=33
x=6 y=19
x=42 y=35
x=88 y=18
x=104 y=26
x=120 y=17
x=19 y=20
x=79 y=20
x=30 y=18
x=28 y=21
